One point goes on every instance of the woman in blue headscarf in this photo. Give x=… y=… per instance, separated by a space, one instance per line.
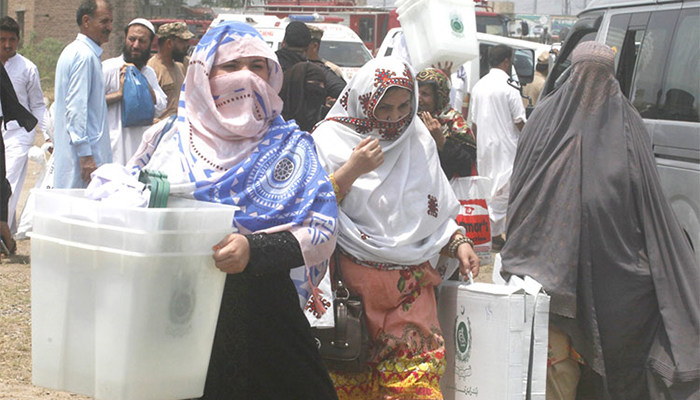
x=230 y=145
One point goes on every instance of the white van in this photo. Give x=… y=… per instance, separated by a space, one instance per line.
x=340 y=44
x=464 y=78
x=657 y=63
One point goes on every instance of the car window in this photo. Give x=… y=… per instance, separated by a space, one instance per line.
x=616 y=34
x=366 y=29
x=492 y=25
x=651 y=62
x=344 y=54
x=681 y=89
x=523 y=61
x=627 y=58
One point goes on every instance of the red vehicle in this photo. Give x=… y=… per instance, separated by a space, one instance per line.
x=372 y=23
x=492 y=23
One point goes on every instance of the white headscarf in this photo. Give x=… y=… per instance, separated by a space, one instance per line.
x=402 y=213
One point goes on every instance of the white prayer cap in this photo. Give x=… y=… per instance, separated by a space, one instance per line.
x=144 y=22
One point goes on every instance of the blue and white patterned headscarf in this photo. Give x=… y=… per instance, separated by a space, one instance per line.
x=272 y=174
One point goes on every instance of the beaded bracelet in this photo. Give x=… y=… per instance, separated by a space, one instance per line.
x=454 y=245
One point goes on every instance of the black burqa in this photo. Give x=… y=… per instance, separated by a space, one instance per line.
x=588 y=219
x=303 y=95
x=12 y=110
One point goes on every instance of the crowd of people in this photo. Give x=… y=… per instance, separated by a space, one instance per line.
x=355 y=176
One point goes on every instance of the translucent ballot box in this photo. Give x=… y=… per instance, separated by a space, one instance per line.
x=438 y=31
x=125 y=302
x=181 y=214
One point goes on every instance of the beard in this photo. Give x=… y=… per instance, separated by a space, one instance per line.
x=138 y=61
x=178 y=55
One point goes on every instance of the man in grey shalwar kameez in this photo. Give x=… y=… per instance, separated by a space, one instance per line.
x=588 y=219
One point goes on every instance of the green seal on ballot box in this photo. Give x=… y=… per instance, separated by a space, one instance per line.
x=463 y=338
x=456 y=23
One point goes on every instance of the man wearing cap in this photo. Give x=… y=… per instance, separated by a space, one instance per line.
x=534 y=88
x=173 y=41
x=136 y=51
x=334 y=78
x=27 y=84
x=294 y=45
x=81 y=136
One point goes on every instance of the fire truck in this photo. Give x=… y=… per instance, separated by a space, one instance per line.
x=371 y=23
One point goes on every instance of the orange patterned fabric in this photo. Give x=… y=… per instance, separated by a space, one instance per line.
x=408 y=349
x=560 y=348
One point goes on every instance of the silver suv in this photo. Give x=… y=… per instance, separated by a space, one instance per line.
x=657 y=63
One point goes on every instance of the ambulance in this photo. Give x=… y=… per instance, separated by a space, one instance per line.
x=340 y=44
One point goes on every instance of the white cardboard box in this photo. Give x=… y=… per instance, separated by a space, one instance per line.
x=487 y=330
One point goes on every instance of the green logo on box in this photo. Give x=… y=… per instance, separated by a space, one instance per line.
x=463 y=339
x=456 y=23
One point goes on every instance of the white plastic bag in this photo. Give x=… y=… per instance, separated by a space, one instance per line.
x=316 y=318
x=44 y=181
x=474 y=194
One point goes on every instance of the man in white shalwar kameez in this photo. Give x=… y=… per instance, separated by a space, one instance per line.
x=25 y=79
x=497 y=110
x=136 y=51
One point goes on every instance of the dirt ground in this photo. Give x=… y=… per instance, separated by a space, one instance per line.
x=15 y=316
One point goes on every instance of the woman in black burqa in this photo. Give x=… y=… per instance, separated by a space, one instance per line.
x=588 y=219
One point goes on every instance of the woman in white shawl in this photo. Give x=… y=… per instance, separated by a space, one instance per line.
x=396 y=217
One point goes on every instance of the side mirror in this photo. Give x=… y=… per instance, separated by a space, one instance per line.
x=524 y=65
x=516 y=85
x=524 y=28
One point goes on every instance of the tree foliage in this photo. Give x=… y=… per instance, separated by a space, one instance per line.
x=45 y=55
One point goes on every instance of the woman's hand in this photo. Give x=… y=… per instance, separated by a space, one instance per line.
x=366 y=157
x=435 y=129
x=447 y=68
x=468 y=260
x=231 y=255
